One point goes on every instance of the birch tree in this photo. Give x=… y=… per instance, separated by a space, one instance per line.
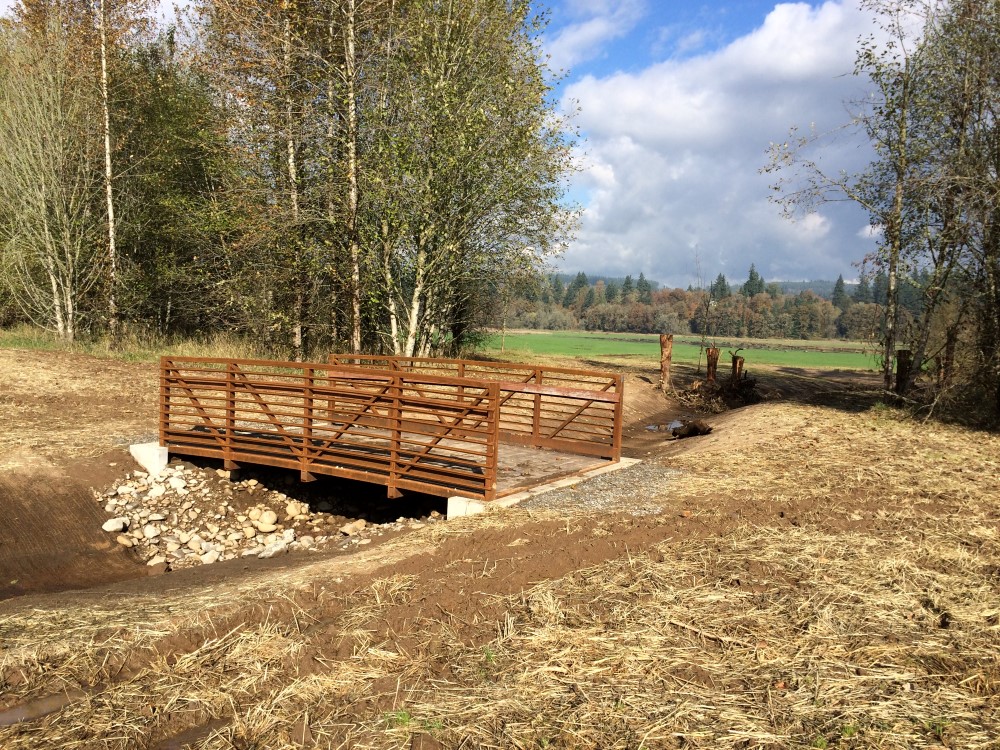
x=963 y=53
x=47 y=183
x=470 y=163
x=890 y=64
x=257 y=56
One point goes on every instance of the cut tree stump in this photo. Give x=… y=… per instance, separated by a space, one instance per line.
x=737 y=376
x=904 y=361
x=666 y=353
x=711 y=363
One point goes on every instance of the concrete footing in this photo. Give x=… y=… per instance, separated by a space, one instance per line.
x=152 y=457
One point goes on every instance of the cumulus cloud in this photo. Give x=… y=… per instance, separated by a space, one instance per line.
x=674 y=152
x=595 y=22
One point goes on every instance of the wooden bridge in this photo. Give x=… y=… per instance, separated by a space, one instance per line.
x=443 y=427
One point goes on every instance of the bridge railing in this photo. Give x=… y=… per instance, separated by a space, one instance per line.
x=406 y=430
x=572 y=410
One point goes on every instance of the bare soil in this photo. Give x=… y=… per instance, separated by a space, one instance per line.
x=816 y=572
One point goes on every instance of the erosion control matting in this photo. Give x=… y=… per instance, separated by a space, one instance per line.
x=50 y=527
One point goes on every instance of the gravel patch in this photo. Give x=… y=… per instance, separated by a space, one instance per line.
x=635 y=490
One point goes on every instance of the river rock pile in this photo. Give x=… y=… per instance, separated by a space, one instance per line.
x=185 y=516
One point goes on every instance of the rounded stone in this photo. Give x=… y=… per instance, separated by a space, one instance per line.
x=209 y=557
x=116 y=524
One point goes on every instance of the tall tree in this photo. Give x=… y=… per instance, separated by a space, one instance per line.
x=48 y=190
x=96 y=31
x=643 y=290
x=259 y=58
x=720 y=288
x=576 y=286
x=839 y=298
x=754 y=284
x=891 y=66
x=863 y=291
x=627 y=289
x=471 y=165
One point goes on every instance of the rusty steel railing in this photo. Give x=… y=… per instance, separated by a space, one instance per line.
x=413 y=431
x=572 y=410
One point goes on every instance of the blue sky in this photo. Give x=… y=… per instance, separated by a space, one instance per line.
x=678 y=102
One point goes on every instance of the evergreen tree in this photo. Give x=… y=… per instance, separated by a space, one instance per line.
x=863 y=292
x=643 y=290
x=576 y=286
x=839 y=298
x=720 y=288
x=545 y=296
x=754 y=284
x=558 y=290
x=611 y=292
x=880 y=285
x=627 y=289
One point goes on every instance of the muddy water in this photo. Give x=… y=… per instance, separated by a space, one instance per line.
x=39 y=707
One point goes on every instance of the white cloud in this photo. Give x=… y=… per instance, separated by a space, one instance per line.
x=598 y=22
x=674 y=152
x=814 y=226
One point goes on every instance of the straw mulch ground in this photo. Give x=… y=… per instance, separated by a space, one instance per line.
x=814 y=578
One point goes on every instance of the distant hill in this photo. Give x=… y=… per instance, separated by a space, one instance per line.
x=566 y=278
x=821 y=287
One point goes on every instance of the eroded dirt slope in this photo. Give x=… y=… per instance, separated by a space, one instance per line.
x=805 y=576
x=64 y=422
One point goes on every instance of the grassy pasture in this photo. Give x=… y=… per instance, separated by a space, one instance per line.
x=822 y=355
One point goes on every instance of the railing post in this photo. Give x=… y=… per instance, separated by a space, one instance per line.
x=227 y=444
x=616 y=440
x=305 y=462
x=395 y=432
x=536 y=416
x=492 y=443
x=164 y=400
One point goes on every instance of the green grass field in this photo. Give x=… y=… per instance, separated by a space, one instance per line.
x=822 y=355
x=520 y=345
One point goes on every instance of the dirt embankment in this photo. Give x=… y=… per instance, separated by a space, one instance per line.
x=66 y=419
x=805 y=576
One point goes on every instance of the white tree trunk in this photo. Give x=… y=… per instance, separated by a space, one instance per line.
x=413 y=316
x=390 y=289
x=350 y=72
x=298 y=312
x=108 y=175
x=895 y=238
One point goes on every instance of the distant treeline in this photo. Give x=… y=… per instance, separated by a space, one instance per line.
x=753 y=309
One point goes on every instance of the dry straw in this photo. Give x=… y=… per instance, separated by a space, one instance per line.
x=875 y=623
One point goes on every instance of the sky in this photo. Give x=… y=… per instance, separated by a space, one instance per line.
x=677 y=102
